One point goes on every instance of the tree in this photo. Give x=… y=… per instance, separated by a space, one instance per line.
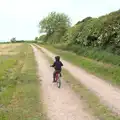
x=54 y=22
x=13 y=40
x=36 y=38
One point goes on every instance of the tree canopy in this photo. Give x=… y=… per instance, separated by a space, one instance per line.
x=54 y=22
x=36 y=38
x=102 y=32
x=13 y=39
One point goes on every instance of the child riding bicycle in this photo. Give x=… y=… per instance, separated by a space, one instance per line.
x=58 y=66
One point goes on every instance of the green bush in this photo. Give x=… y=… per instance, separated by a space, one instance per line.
x=102 y=32
x=95 y=38
x=92 y=53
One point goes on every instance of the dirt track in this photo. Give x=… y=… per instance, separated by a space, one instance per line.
x=62 y=104
x=108 y=94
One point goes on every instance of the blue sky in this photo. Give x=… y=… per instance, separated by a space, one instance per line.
x=20 y=18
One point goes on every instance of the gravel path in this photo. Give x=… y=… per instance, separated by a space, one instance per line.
x=62 y=104
x=107 y=93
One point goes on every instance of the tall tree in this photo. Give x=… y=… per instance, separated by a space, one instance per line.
x=13 y=40
x=36 y=38
x=54 y=22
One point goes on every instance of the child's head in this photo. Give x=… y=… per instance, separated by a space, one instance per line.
x=57 y=58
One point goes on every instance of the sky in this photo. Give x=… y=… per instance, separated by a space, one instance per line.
x=20 y=18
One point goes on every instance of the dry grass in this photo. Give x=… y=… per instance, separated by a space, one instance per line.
x=9 y=49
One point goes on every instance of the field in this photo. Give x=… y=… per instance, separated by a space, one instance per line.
x=27 y=91
x=19 y=90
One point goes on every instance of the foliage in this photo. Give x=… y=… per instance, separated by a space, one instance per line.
x=92 y=53
x=42 y=38
x=13 y=40
x=54 y=25
x=54 y=22
x=86 y=19
x=102 y=32
x=36 y=38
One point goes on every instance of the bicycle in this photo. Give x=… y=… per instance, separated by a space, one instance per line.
x=57 y=79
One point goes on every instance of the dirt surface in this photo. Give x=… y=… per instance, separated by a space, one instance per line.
x=108 y=94
x=62 y=104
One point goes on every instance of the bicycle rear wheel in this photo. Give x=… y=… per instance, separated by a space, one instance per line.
x=59 y=81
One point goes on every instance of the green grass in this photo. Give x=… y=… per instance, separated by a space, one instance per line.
x=109 y=72
x=92 y=53
x=25 y=100
x=9 y=70
x=91 y=101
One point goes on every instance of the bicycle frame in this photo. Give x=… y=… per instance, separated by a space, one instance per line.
x=56 y=76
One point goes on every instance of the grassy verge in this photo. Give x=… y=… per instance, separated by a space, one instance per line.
x=92 y=53
x=9 y=71
x=91 y=101
x=111 y=73
x=25 y=103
